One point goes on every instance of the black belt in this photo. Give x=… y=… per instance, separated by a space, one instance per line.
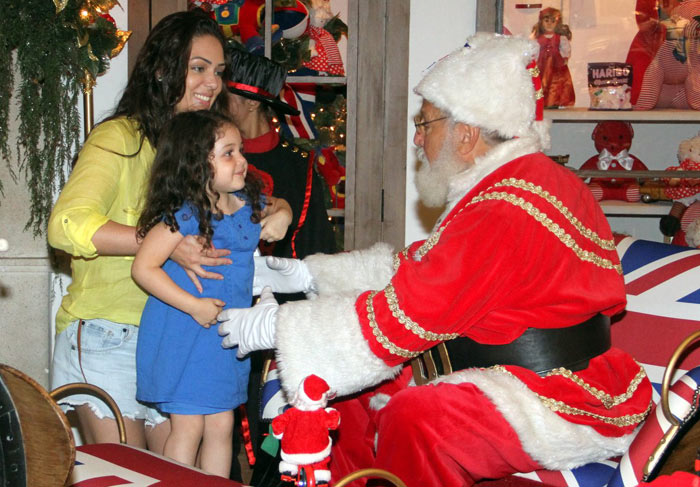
x=537 y=349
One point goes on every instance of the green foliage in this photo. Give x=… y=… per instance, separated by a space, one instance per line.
x=52 y=51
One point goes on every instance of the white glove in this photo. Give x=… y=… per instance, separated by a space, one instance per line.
x=250 y=328
x=282 y=275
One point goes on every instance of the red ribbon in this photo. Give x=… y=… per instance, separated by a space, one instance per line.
x=305 y=208
x=252 y=89
x=245 y=432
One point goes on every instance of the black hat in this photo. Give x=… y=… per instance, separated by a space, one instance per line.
x=257 y=78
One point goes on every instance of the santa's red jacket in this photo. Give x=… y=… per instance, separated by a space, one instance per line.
x=522 y=244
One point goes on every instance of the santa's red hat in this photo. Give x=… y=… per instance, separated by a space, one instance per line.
x=312 y=394
x=490 y=84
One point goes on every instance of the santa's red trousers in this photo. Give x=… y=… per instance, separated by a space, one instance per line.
x=435 y=435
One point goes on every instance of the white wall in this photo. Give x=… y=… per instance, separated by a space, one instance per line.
x=434 y=33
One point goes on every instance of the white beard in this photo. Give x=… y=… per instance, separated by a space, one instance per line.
x=433 y=180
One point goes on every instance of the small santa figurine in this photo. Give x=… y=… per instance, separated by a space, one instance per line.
x=303 y=430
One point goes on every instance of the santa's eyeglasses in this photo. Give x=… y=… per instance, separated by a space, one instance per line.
x=420 y=124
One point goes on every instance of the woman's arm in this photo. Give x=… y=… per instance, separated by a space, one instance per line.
x=277 y=216
x=114 y=238
x=147 y=271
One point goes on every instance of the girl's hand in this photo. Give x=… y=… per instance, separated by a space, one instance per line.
x=274 y=227
x=190 y=254
x=205 y=311
x=277 y=217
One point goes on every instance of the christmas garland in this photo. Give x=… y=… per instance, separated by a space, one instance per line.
x=54 y=49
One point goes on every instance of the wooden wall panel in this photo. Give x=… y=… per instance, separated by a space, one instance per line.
x=143 y=15
x=396 y=91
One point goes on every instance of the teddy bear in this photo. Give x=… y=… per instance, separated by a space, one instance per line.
x=692 y=231
x=613 y=140
x=671 y=79
x=685 y=193
x=647 y=41
x=303 y=431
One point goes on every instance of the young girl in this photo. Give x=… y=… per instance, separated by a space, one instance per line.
x=199 y=186
x=553 y=37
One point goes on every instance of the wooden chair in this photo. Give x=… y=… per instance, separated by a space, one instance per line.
x=37 y=448
x=37 y=442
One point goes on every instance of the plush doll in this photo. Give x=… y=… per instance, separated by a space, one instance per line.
x=692 y=231
x=325 y=55
x=613 y=140
x=555 y=51
x=672 y=78
x=303 y=431
x=648 y=40
x=685 y=193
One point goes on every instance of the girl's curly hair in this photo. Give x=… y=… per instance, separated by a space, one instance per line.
x=183 y=172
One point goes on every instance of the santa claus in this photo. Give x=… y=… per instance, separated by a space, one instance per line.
x=515 y=287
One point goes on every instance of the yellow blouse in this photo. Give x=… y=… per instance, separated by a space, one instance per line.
x=106 y=184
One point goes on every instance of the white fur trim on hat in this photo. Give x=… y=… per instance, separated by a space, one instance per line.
x=487 y=85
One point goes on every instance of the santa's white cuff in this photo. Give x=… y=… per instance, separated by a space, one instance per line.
x=358 y=270
x=323 y=337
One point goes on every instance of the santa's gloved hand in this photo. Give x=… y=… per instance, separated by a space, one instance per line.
x=282 y=275
x=250 y=328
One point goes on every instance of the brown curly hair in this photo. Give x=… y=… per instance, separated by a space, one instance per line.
x=183 y=172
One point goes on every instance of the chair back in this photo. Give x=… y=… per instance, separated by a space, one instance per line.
x=45 y=434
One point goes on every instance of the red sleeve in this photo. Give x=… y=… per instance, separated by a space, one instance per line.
x=279 y=423
x=509 y=258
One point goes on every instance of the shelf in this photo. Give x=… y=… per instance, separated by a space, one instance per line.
x=319 y=80
x=585 y=115
x=625 y=208
x=648 y=174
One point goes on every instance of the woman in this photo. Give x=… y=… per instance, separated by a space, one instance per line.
x=253 y=92
x=179 y=68
x=253 y=100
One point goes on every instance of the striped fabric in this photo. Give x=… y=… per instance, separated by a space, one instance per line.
x=663 y=308
x=272 y=400
x=112 y=465
x=301 y=96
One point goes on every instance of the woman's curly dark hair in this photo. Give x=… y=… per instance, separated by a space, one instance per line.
x=183 y=172
x=157 y=82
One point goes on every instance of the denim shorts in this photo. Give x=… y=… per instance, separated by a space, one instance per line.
x=108 y=356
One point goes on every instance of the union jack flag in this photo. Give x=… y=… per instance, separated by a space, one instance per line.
x=301 y=96
x=663 y=307
x=273 y=402
x=112 y=464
